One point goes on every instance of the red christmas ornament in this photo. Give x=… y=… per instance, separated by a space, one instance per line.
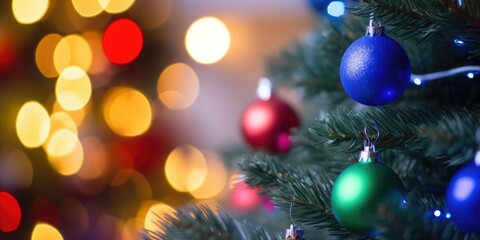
x=10 y=213
x=266 y=124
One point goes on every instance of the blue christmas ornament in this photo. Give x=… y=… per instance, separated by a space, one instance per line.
x=463 y=197
x=375 y=69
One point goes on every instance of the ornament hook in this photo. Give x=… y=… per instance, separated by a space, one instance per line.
x=294 y=232
x=291 y=207
x=368 y=142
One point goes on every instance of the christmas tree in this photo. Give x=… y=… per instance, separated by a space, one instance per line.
x=354 y=88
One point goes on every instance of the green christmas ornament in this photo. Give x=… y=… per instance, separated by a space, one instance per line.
x=363 y=191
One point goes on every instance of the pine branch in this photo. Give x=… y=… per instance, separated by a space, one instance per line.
x=310 y=194
x=201 y=222
x=309 y=191
x=425 y=17
x=442 y=134
x=313 y=63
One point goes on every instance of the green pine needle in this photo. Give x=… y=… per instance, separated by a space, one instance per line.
x=202 y=223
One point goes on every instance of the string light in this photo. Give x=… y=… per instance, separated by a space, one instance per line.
x=417 y=81
x=437 y=213
x=458 y=42
x=448 y=215
x=442 y=74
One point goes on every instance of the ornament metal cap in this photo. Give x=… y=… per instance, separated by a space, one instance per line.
x=375 y=28
x=369 y=154
x=294 y=233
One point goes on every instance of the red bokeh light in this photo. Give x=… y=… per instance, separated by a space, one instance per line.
x=122 y=41
x=10 y=213
x=244 y=198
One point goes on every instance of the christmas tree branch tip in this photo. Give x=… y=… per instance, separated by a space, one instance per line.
x=202 y=222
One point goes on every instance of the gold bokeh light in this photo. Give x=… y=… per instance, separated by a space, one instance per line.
x=87 y=8
x=116 y=6
x=78 y=116
x=127 y=111
x=44 y=55
x=215 y=180
x=95 y=162
x=61 y=143
x=45 y=231
x=185 y=168
x=178 y=86
x=70 y=163
x=29 y=11
x=99 y=60
x=32 y=124
x=155 y=210
x=73 y=88
x=72 y=50
x=207 y=40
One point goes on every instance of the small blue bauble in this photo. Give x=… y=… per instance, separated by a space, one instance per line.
x=463 y=198
x=375 y=70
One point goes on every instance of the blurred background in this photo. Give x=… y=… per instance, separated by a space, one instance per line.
x=114 y=111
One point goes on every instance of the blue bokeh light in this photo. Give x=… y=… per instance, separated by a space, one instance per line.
x=437 y=213
x=470 y=75
x=336 y=8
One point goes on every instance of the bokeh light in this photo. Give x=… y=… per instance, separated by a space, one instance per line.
x=127 y=111
x=130 y=230
x=122 y=41
x=72 y=50
x=44 y=55
x=73 y=89
x=244 y=198
x=87 y=8
x=16 y=171
x=70 y=163
x=178 y=86
x=8 y=51
x=154 y=212
x=215 y=180
x=108 y=227
x=61 y=143
x=116 y=6
x=336 y=8
x=99 y=60
x=77 y=116
x=29 y=11
x=95 y=158
x=45 y=231
x=33 y=124
x=207 y=40
x=151 y=14
x=191 y=163
x=60 y=120
x=10 y=212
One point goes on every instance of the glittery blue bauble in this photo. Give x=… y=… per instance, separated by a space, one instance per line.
x=375 y=70
x=463 y=198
